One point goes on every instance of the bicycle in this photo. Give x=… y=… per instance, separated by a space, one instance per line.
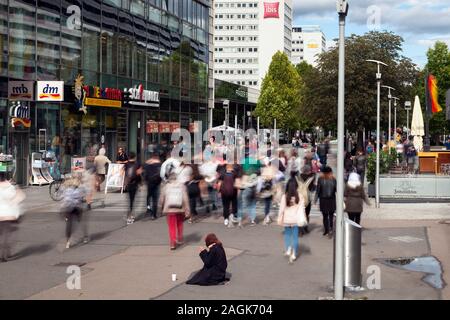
x=56 y=189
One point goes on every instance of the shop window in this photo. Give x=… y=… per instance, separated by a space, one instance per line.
x=115 y=3
x=3 y=125
x=22 y=68
x=22 y=30
x=138 y=7
x=70 y=38
x=3 y=34
x=91 y=49
x=109 y=53
x=47 y=71
x=125 y=57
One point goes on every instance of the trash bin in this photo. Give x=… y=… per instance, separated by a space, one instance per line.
x=352 y=254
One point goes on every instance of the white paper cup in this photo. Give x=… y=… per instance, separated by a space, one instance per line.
x=174 y=277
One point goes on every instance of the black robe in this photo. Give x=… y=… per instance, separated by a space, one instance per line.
x=214 y=269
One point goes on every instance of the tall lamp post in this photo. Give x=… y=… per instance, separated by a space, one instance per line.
x=390 y=109
x=407 y=108
x=342 y=9
x=395 y=117
x=377 y=178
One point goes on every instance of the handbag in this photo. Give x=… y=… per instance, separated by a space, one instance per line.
x=301 y=216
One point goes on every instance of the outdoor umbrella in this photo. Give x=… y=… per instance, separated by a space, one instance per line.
x=417 y=125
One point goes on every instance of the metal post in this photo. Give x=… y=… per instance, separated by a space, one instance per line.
x=395 y=118
x=339 y=240
x=407 y=123
x=390 y=108
x=257 y=127
x=377 y=179
x=275 y=128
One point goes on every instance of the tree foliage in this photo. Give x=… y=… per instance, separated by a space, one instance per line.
x=280 y=94
x=439 y=65
x=320 y=92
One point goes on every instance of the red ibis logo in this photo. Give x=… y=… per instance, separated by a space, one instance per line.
x=271 y=10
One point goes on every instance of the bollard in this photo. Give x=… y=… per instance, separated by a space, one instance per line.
x=352 y=251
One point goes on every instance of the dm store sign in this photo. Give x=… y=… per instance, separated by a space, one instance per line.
x=271 y=10
x=50 y=90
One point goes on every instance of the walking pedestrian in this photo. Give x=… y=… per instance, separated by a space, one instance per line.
x=152 y=176
x=72 y=205
x=360 y=161
x=229 y=193
x=88 y=180
x=100 y=163
x=348 y=165
x=10 y=199
x=266 y=188
x=326 y=192
x=194 y=192
x=174 y=203
x=354 y=197
x=133 y=173
x=307 y=185
x=291 y=216
x=209 y=171
x=322 y=151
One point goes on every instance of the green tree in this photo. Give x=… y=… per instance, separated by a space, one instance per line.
x=439 y=65
x=319 y=101
x=280 y=94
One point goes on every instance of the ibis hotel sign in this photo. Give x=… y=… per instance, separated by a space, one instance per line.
x=140 y=97
x=21 y=90
x=271 y=10
x=50 y=91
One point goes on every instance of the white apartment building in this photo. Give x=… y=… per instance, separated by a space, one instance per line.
x=307 y=43
x=247 y=33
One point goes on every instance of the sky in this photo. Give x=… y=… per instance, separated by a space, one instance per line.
x=420 y=22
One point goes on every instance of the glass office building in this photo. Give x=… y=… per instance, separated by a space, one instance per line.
x=158 y=47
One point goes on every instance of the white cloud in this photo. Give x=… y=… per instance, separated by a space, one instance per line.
x=422 y=17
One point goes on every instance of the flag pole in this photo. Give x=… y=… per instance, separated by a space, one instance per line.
x=426 y=145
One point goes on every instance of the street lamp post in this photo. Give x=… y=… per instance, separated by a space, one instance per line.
x=395 y=117
x=407 y=108
x=377 y=178
x=390 y=108
x=342 y=9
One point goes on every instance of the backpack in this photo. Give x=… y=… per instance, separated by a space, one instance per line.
x=131 y=176
x=174 y=196
x=227 y=188
x=303 y=190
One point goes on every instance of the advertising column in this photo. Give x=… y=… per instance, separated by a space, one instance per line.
x=20 y=95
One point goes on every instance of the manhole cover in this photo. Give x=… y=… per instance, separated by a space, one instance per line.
x=67 y=264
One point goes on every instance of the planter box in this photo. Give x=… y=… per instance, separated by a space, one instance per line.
x=371 y=190
x=415 y=187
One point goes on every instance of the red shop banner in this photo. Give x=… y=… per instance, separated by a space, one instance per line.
x=174 y=126
x=152 y=126
x=164 y=127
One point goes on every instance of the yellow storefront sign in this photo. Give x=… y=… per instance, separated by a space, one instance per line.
x=103 y=103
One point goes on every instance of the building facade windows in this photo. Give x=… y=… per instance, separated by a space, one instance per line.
x=120 y=44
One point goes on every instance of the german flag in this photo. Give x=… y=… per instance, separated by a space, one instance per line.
x=431 y=89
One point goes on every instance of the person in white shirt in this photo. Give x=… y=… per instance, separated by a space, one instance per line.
x=10 y=199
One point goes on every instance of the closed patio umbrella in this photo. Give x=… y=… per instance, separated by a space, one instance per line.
x=417 y=125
